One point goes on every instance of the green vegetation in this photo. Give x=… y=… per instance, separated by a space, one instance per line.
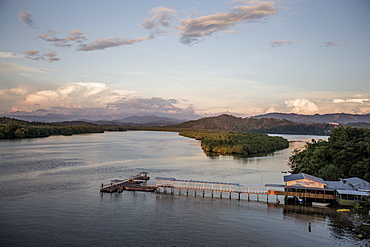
x=14 y=129
x=345 y=154
x=237 y=143
x=263 y=125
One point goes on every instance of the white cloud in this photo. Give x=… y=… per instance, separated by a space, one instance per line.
x=302 y=106
x=360 y=101
x=10 y=55
x=15 y=68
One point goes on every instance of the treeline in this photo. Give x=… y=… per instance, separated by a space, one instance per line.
x=237 y=143
x=345 y=154
x=15 y=129
x=263 y=125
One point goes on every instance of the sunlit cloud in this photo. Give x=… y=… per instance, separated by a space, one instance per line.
x=161 y=19
x=50 y=56
x=193 y=29
x=10 y=55
x=74 y=37
x=359 y=101
x=302 y=106
x=89 y=99
x=283 y=42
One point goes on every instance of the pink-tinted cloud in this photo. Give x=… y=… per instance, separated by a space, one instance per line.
x=282 y=42
x=50 y=56
x=74 y=37
x=101 y=44
x=161 y=19
x=193 y=29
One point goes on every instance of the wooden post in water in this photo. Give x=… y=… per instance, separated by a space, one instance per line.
x=195 y=192
x=249 y=196
x=230 y=195
x=220 y=194
x=212 y=193
x=239 y=196
x=187 y=192
x=203 y=193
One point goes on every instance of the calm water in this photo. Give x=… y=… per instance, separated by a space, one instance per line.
x=49 y=190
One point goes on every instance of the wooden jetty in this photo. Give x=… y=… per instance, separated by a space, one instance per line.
x=133 y=183
x=304 y=187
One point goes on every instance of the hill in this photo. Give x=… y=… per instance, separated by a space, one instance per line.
x=339 y=118
x=263 y=125
x=345 y=154
x=13 y=128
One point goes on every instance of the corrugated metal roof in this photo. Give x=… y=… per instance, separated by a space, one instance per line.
x=353 y=192
x=300 y=176
x=357 y=183
x=339 y=185
x=164 y=179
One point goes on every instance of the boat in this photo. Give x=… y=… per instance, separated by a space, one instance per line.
x=141 y=188
x=366 y=223
x=320 y=204
x=343 y=210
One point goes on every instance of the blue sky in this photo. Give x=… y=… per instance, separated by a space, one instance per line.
x=184 y=59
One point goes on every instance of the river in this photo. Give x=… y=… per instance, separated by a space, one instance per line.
x=49 y=190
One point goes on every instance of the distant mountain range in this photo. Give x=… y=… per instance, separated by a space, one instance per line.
x=147 y=121
x=339 y=118
x=153 y=120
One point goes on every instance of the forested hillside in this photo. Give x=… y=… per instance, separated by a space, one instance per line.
x=345 y=154
x=12 y=128
x=237 y=143
x=264 y=125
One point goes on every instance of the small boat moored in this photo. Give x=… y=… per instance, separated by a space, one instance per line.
x=320 y=204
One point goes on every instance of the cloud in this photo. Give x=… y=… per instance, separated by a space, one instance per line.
x=282 y=42
x=15 y=68
x=26 y=18
x=160 y=20
x=10 y=55
x=192 y=29
x=302 y=106
x=359 y=101
x=50 y=56
x=101 y=44
x=89 y=99
x=74 y=37
x=330 y=43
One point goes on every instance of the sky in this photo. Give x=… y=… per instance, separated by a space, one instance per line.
x=184 y=59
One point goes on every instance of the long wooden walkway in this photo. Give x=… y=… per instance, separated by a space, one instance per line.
x=172 y=184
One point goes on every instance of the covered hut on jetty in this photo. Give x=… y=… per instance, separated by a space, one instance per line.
x=346 y=192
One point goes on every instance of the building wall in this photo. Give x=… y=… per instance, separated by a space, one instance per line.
x=305 y=183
